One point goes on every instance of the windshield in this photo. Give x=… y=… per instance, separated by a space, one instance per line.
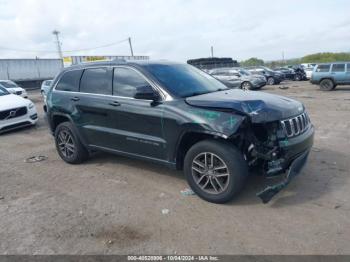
x=244 y=72
x=3 y=91
x=8 y=84
x=184 y=80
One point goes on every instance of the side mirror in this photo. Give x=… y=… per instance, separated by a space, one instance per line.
x=146 y=93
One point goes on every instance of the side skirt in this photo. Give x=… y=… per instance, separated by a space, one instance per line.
x=171 y=165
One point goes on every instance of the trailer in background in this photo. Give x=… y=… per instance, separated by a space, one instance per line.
x=74 y=60
x=213 y=62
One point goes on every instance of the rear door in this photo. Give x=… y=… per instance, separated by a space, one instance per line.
x=347 y=74
x=95 y=107
x=338 y=73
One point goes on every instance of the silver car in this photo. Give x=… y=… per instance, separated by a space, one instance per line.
x=235 y=77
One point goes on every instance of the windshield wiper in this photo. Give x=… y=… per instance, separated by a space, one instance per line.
x=207 y=92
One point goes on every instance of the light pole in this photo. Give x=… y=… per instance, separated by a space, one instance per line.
x=59 y=50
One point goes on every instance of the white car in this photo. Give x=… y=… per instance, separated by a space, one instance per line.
x=45 y=86
x=13 y=88
x=15 y=111
x=308 y=72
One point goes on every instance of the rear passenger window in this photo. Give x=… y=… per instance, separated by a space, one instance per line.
x=126 y=82
x=96 y=81
x=323 y=68
x=338 y=68
x=69 y=81
x=348 y=67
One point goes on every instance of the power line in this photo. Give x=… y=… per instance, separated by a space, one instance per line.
x=65 y=51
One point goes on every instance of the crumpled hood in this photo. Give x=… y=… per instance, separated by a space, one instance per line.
x=260 y=106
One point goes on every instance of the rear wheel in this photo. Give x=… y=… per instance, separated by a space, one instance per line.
x=215 y=171
x=297 y=77
x=327 y=85
x=68 y=145
x=270 y=81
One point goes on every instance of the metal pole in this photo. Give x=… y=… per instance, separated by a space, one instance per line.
x=212 y=51
x=59 y=50
x=132 y=52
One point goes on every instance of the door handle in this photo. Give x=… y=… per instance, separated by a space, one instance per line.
x=75 y=99
x=114 y=103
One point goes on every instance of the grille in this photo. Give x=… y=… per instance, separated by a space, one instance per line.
x=296 y=125
x=12 y=113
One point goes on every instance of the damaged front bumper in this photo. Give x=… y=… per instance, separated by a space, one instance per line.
x=295 y=168
x=295 y=154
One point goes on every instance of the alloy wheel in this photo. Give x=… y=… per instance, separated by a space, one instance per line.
x=66 y=143
x=210 y=173
x=246 y=86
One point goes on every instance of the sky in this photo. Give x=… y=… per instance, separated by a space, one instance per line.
x=175 y=29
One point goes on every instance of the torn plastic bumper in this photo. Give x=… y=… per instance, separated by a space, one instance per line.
x=294 y=169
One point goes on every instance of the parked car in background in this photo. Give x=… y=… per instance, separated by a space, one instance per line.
x=238 y=78
x=177 y=115
x=15 y=111
x=272 y=77
x=308 y=72
x=13 y=88
x=329 y=75
x=45 y=86
x=288 y=73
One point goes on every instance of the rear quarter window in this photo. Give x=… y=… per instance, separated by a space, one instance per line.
x=69 y=81
x=338 y=68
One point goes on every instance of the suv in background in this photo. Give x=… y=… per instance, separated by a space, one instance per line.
x=272 y=77
x=329 y=75
x=238 y=78
x=177 y=115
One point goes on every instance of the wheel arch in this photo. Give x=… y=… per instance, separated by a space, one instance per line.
x=189 y=138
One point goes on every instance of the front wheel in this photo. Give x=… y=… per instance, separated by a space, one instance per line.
x=297 y=77
x=326 y=85
x=246 y=86
x=270 y=81
x=215 y=171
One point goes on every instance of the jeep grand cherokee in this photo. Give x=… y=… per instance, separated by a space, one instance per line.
x=177 y=115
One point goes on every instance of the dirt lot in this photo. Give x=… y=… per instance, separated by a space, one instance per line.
x=113 y=205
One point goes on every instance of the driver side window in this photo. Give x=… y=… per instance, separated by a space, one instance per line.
x=127 y=82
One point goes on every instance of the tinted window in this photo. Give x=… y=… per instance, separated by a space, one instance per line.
x=348 y=67
x=8 y=84
x=126 y=82
x=96 y=81
x=69 y=81
x=3 y=91
x=323 y=68
x=184 y=80
x=338 y=68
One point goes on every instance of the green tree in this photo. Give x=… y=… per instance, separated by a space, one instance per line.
x=325 y=57
x=252 y=62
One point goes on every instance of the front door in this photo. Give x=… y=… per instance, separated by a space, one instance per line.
x=139 y=121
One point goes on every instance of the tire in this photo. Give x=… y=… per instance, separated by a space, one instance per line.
x=297 y=77
x=219 y=188
x=327 y=85
x=246 y=86
x=270 y=81
x=75 y=153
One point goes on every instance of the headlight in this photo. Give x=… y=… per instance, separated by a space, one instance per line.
x=31 y=105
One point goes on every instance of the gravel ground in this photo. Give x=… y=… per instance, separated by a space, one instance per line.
x=116 y=205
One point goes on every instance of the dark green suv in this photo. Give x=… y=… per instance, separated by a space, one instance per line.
x=177 y=115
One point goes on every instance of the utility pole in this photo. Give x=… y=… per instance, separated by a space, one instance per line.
x=132 y=52
x=59 y=50
x=212 y=51
x=283 y=57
